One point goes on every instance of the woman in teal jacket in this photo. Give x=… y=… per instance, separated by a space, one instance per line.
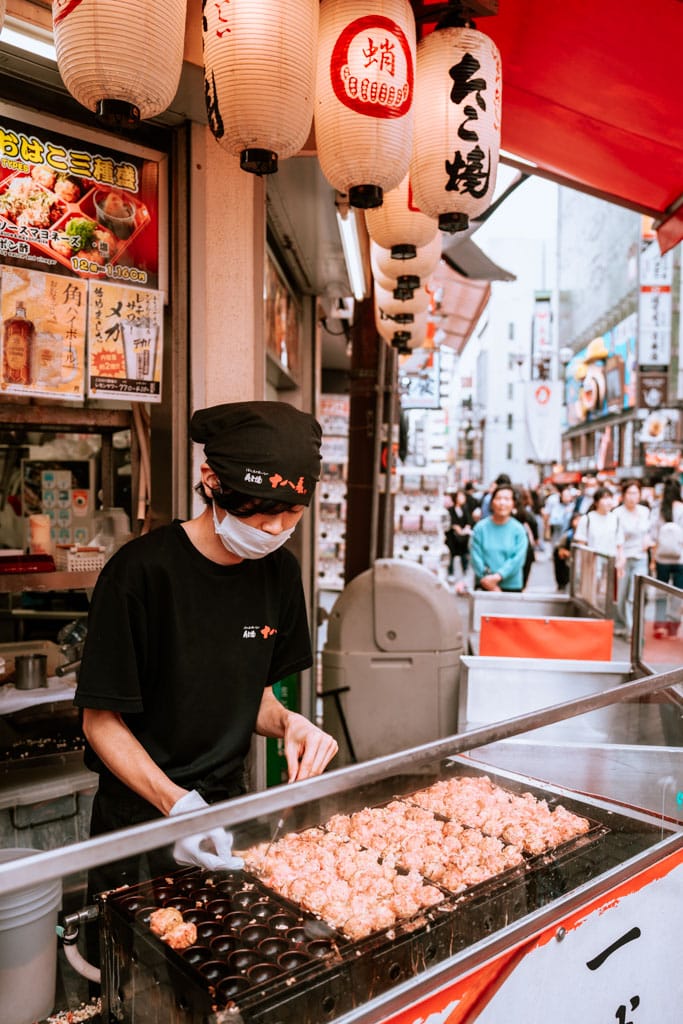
x=499 y=545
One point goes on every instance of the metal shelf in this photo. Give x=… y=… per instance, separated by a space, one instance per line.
x=16 y=583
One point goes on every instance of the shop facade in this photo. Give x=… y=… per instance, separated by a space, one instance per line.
x=619 y=334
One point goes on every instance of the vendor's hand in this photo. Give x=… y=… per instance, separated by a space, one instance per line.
x=489 y=582
x=308 y=750
x=197 y=850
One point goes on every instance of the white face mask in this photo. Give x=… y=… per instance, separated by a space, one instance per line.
x=247 y=541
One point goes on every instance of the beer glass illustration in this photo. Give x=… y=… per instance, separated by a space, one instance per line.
x=140 y=344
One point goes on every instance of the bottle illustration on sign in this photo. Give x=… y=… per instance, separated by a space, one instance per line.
x=17 y=347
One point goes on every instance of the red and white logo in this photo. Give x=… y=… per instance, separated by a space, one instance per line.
x=542 y=394
x=371 y=68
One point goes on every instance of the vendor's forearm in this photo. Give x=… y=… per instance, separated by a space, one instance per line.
x=272 y=716
x=126 y=758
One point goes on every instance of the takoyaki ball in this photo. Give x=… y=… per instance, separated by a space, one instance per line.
x=182 y=936
x=164 y=920
x=67 y=189
x=62 y=245
x=105 y=241
x=44 y=175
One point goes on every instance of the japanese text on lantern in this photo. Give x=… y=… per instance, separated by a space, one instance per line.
x=469 y=173
x=371 y=68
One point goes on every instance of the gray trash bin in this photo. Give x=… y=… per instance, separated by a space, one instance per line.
x=391 y=661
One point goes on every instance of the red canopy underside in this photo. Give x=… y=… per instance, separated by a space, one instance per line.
x=593 y=96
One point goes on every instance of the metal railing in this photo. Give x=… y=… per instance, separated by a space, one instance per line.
x=114 y=846
x=593 y=580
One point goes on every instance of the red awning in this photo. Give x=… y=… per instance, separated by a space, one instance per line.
x=593 y=96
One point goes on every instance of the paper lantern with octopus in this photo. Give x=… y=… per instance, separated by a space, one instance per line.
x=364 y=96
x=457 y=125
x=120 y=58
x=259 y=77
x=398 y=224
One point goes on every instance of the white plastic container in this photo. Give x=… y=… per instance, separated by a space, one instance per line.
x=28 y=948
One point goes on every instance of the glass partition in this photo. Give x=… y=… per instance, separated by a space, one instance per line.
x=593 y=580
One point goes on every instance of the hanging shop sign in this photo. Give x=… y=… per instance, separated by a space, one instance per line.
x=419 y=374
x=543 y=405
x=652 y=389
x=601 y=378
x=77 y=208
x=43 y=334
x=125 y=332
x=654 y=305
x=542 y=341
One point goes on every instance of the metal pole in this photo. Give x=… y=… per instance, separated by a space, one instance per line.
x=388 y=522
x=377 y=447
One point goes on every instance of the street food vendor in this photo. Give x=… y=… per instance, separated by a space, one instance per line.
x=499 y=545
x=189 y=628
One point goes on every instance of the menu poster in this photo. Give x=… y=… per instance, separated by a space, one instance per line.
x=125 y=343
x=43 y=334
x=75 y=208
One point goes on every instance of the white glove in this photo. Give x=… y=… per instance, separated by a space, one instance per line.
x=190 y=850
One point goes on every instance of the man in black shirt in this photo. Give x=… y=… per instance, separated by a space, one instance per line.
x=192 y=624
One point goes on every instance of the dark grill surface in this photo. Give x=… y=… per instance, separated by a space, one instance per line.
x=259 y=957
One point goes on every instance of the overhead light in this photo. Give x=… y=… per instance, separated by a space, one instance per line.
x=353 y=257
x=29 y=38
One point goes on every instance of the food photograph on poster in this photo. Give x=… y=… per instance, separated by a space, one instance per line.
x=75 y=208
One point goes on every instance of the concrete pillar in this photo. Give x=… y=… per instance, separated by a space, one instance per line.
x=227 y=251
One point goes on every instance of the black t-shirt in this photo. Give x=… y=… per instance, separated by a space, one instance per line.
x=183 y=647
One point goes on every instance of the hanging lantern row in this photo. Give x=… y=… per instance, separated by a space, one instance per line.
x=401 y=311
x=259 y=87
x=399 y=225
x=120 y=58
x=402 y=277
x=383 y=105
x=404 y=337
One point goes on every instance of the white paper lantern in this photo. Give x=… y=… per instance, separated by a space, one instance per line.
x=401 y=311
x=404 y=337
x=120 y=58
x=408 y=274
x=259 y=77
x=399 y=225
x=364 y=96
x=458 y=86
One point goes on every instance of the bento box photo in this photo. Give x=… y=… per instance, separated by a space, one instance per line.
x=82 y=225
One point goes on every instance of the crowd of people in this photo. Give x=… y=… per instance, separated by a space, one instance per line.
x=499 y=531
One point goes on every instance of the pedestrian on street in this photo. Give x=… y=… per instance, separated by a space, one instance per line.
x=499 y=545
